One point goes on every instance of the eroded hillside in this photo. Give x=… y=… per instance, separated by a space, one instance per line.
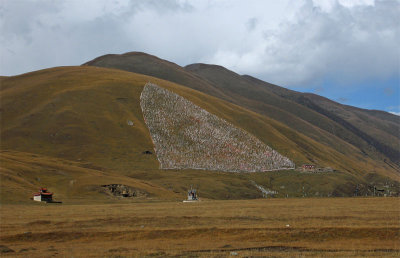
x=187 y=136
x=328 y=133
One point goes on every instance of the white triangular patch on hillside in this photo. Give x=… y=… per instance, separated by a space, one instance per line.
x=187 y=136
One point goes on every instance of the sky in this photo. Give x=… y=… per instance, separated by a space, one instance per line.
x=346 y=50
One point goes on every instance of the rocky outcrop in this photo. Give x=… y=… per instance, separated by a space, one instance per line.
x=120 y=190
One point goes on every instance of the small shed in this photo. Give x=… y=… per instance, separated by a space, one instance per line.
x=308 y=167
x=43 y=195
x=192 y=195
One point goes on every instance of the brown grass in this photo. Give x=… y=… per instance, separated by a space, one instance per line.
x=317 y=227
x=95 y=104
x=350 y=131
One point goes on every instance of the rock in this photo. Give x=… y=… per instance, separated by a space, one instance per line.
x=120 y=190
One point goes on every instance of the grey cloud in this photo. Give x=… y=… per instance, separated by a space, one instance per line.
x=251 y=24
x=17 y=18
x=344 y=44
x=41 y=34
x=168 y=6
x=42 y=39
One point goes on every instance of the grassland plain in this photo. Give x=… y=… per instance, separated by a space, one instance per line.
x=315 y=227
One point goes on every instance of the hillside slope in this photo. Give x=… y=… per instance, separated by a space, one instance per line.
x=91 y=119
x=22 y=174
x=369 y=130
x=374 y=135
x=94 y=114
x=371 y=134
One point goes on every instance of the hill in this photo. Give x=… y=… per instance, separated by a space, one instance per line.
x=71 y=181
x=374 y=135
x=85 y=125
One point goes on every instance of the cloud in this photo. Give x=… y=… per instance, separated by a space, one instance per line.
x=40 y=34
x=294 y=44
x=395 y=113
x=346 y=44
x=251 y=23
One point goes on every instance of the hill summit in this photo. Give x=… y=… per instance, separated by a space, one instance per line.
x=187 y=136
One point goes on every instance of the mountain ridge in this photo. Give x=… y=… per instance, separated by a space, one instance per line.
x=92 y=117
x=312 y=115
x=89 y=121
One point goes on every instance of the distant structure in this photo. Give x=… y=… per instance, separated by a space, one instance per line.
x=192 y=195
x=308 y=167
x=43 y=196
x=380 y=191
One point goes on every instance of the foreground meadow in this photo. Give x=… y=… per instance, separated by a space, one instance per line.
x=340 y=227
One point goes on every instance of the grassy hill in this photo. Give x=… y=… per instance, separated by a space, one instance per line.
x=143 y=63
x=22 y=174
x=371 y=131
x=85 y=125
x=374 y=135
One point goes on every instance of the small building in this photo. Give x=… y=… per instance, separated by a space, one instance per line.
x=43 y=196
x=380 y=191
x=308 y=167
x=192 y=195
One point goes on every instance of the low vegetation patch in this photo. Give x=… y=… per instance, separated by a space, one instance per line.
x=187 y=136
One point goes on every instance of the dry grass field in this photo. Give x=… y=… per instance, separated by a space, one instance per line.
x=339 y=227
